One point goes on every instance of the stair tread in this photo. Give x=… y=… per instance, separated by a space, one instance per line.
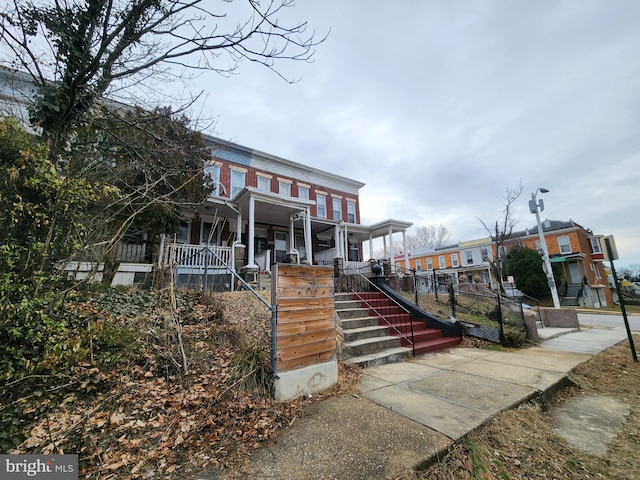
x=365 y=341
x=374 y=357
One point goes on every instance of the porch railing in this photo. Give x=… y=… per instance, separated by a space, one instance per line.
x=196 y=257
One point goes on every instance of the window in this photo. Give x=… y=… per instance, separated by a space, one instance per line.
x=484 y=253
x=595 y=245
x=563 y=243
x=454 y=260
x=264 y=184
x=182 y=236
x=321 y=203
x=539 y=245
x=303 y=192
x=351 y=212
x=284 y=188
x=429 y=264
x=337 y=209
x=442 y=262
x=469 y=256
x=209 y=237
x=237 y=182
x=212 y=178
x=419 y=265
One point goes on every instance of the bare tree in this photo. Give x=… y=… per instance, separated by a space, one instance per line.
x=432 y=235
x=76 y=51
x=502 y=229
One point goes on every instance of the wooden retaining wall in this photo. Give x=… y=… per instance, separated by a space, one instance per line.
x=306 y=328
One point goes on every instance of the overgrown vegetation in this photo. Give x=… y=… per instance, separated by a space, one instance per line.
x=125 y=403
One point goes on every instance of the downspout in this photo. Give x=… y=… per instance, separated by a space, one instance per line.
x=307 y=234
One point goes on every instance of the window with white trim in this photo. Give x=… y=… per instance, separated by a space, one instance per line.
x=321 y=205
x=539 y=245
x=419 y=265
x=429 y=264
x=454 y=260
x=212 y=177
x=469 y=256
x=596 y=247
x=441 y=262
x=351 y=212
x=337 y=209
x=284 y=188
x=264 y=184
x=237 y=182
x=303 y=192
x=564 y=244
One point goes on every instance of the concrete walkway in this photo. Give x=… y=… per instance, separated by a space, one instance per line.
x=456 y=391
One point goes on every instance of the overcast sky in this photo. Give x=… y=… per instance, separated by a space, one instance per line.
x=439 y=106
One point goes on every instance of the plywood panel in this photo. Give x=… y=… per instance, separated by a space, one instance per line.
x=306 y=331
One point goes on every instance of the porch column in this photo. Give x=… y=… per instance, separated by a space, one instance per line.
x=345 y=235
x=239 y=227
x=307 y=236
x=251 y=262
x=391 y=252
x=384 y=246
x=370 y=245
x=338 y=242
x=404 y=248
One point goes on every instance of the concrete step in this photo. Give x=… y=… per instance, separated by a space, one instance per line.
x=345 y=313
x=362 y=333
x=389 y=355
x=369 y=345
x=349 y=323
x=347 y=304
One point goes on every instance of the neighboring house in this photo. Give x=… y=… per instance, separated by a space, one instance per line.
x=446 y=264
x=580 y=254
x=577 y=250
x=263 y=210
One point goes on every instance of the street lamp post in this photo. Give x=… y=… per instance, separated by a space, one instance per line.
x=537 y=207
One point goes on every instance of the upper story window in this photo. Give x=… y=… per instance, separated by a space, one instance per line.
x=441 y=261
x=469 y=256
x=351 y=212
x=303 y=192
x=564 y=244
x=429 y=264
x=596 y=247
x=284 y=188
x=419 y=265
x=264 y=184
x=237 y=182
x=484 y=253
x=539 y=245
x=212 y=177
x=337 y=209
x=321 y=204
x=454 y=260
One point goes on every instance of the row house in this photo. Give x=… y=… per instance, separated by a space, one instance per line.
x=265 y=209
x=577 y=251
x=440 y=266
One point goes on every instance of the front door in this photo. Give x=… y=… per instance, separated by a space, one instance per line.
x=280 y=246
x=574 y=273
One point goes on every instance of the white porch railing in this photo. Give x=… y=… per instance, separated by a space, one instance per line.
x=324 y=257
x=263 y=260
x=196 y=258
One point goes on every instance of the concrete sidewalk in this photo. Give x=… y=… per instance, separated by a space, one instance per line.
x=456 y=391
x=412 y=411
